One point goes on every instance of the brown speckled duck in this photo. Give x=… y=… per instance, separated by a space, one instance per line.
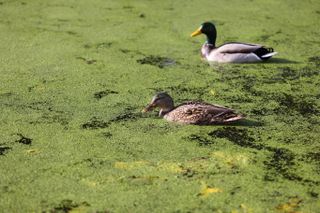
x=192 y=112
x=233 y=52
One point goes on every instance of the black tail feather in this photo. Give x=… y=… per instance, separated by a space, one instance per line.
x=263 y=51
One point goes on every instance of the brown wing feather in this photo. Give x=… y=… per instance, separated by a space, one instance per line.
x=194 y=112
x=235 y=47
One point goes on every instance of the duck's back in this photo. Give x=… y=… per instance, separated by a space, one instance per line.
x=238 y=47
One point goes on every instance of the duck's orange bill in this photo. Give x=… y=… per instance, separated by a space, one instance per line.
x=145 y=110
x=197 y=32
x=148 y=108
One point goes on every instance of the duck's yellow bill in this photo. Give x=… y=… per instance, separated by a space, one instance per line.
x=197 y=32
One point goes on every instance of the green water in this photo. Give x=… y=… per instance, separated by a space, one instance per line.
x=75 y=76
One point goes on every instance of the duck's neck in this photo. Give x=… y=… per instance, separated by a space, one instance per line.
x=164 y=111
x=211 y=38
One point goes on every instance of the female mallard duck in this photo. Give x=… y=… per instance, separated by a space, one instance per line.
x=233 y=52
x=192 y=112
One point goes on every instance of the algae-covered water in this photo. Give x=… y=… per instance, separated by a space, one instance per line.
x=75 y=76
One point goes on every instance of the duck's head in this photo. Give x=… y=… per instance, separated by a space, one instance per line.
x=209 y=30
x=161 y=100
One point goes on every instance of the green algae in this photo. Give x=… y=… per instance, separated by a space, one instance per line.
x=75 y=76
x=158 y=61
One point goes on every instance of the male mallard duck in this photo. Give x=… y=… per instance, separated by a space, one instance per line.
x=233 y=52
x=192 y=112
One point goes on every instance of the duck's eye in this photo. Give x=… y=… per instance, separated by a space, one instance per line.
x=158 y=99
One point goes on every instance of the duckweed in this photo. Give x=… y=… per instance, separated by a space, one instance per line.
x=75 y=76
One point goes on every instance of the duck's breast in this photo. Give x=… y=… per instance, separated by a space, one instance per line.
x=177 y=115
x=182 y=115
x=206 y=50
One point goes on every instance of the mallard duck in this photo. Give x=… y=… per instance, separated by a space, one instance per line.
x=233 y=52
x=192 y=112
